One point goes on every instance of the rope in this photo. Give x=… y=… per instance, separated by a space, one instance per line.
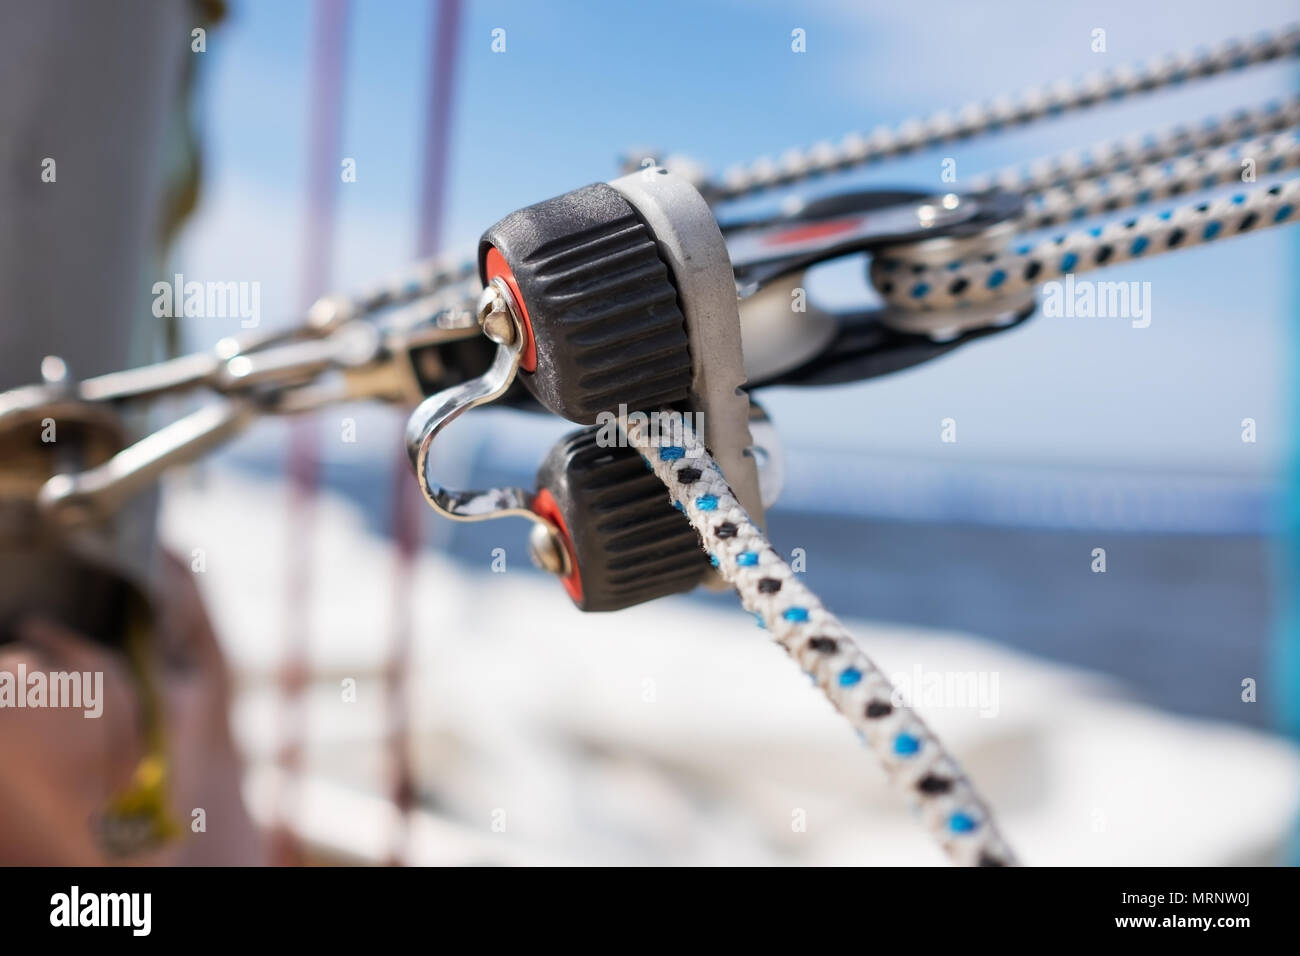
x=992 y=276
x=1116 y=155
x=982 y=118
x=1105 y=177
x=1143 y=184
x=423 y=280
x=948 y=804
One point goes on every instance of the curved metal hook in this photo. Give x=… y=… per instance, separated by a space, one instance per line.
x=441 y=409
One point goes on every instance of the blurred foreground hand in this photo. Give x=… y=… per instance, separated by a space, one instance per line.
x=59 y=769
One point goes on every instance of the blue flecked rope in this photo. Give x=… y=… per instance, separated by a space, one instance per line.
x=946 y=800
x=1146 y=183
x=923 y=286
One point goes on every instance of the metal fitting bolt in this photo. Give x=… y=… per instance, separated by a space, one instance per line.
x=495 y=317
x=547 y=550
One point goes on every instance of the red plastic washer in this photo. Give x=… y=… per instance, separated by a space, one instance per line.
x=544 y=504
x=495 y=265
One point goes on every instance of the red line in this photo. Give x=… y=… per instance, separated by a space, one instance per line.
x=329 y=43
x=407 y=506
x=445 y=43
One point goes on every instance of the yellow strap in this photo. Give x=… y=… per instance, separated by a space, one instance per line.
x=138 y=819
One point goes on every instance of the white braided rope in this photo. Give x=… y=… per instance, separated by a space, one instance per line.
x=947 y=802
x=919 y=286
x=1200 y=170
x=417 y=282
x=979 y=118
x=1126 y=153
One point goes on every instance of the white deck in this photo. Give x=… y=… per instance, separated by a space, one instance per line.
x=674 y=733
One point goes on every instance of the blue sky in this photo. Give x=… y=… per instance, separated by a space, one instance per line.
x=581 y=82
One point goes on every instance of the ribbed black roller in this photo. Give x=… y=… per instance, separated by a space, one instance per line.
x=627 y=542
x=600 y=302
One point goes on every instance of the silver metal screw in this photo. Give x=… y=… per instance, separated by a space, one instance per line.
x=494 y=315
x=546 y=550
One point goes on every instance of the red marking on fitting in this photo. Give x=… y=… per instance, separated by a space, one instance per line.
x=544 y=505
x=816 y=230
x=495 y=265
